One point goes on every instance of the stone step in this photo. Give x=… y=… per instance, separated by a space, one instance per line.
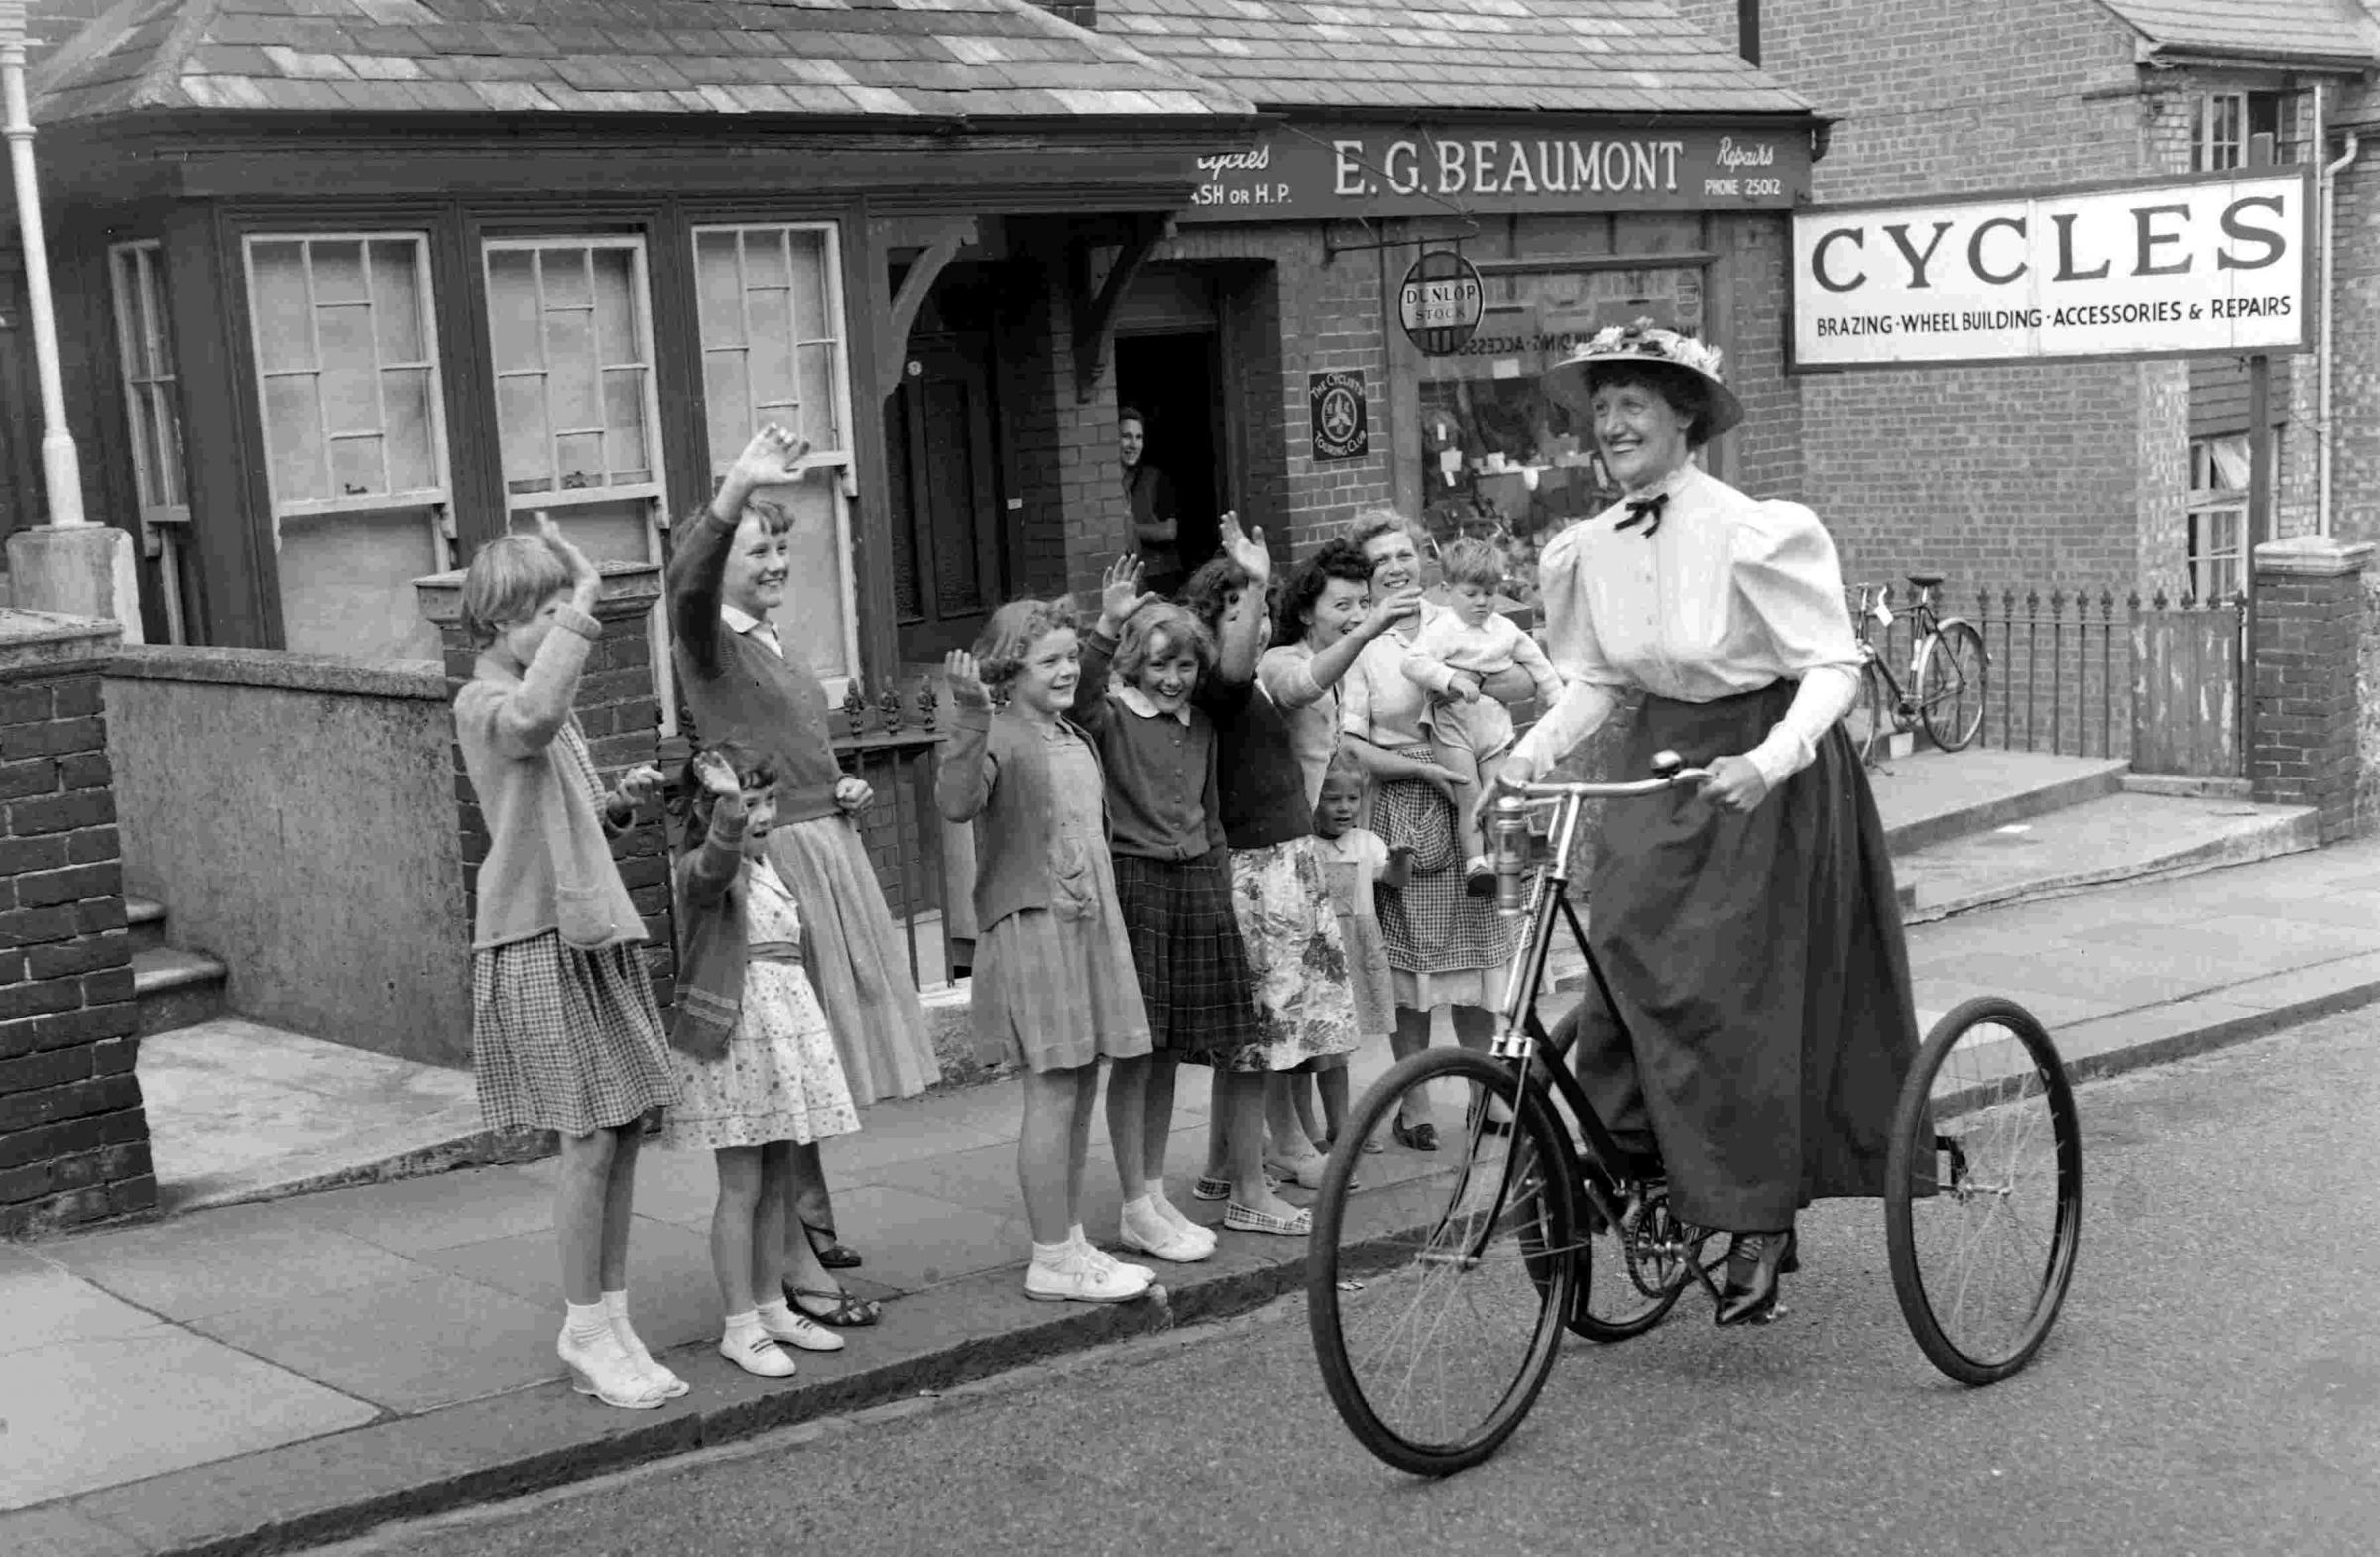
x=146 y=918
x=1932 y=796
x=2123 y=837
x=175 y=989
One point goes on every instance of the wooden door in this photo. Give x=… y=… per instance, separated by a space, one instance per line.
x=949 y=564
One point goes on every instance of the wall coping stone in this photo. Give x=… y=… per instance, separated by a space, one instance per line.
x=2311 y=556
x=628 y=589
x=282 y=671
x=33 y=641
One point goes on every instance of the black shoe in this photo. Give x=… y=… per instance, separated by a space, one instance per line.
x=1479 y=881
x=1755 y=1260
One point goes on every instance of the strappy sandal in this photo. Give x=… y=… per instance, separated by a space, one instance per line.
x=836 y=1255
x=845 y=1313
x=1414 y=1137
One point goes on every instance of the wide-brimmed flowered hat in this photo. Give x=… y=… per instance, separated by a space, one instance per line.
x=1646 y=344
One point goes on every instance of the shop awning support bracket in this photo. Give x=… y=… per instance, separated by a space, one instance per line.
x=948 y=239
x=1095 y=317
x=1332 y=251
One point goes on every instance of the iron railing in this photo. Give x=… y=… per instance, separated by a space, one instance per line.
x=890 y=742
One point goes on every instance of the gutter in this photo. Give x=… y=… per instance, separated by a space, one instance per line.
x=2176 y=56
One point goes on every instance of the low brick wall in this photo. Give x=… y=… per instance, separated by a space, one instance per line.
x=73 y=1139
x=2309 y=620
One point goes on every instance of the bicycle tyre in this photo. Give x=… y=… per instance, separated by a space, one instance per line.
x=1967 y=1101
x=1869 y=720
x=1951 y=676
x=1397 y=1239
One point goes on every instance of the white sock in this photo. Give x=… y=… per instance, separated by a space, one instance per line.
x=586 y=1322
x=1169 y=1211
x=775 y=1312
x=1142 y=1206
x=744 y=1326
x=1053 y=1254
x=615 y=1306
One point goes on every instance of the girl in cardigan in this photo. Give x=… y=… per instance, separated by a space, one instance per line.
x=564 y=1032
x=1054 y=985
x=755 y=1061
x=728 y=575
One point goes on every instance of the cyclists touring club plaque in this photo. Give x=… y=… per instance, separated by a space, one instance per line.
x=1335 y=410
x=1441 y=302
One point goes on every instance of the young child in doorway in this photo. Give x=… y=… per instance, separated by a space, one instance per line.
x=1470 y=732
x=756 y=1065
x=1354 y=861
x=1054 y=984
x=564 y=1032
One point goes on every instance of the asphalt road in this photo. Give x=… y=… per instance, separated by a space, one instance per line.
x=2212 y=1388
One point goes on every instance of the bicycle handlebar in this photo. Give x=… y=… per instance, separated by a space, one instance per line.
x=1669 y=772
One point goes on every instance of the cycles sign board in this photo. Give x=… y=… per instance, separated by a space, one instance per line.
x=1330 y=172
x=2202 y=265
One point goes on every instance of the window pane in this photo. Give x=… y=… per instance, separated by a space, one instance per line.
x=338 y=272
x=765 y=264
x=293 y=435
x=411 y=447
x=772 y=314
x=355 y=466
x=571 y=370
x=723 y=400
x=616 y=332
x=277 y=295
x=624 y=422
x=581 y=455
x=810 y=288
x=170 y=462
x=512 y=309
x=818 y=397
x=717 y=289
x=565 y=272
x=347 y=583
x=520 y=430
x=397 y=303
x=350 y=387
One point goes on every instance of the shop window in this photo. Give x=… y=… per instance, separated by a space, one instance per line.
x=2218 y=516
x=771 y=304
x=355 y=448
x=1500 y=458
x=577 y=417
x=2224 y=127
x=153 y=411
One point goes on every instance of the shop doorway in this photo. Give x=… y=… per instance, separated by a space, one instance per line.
x=949 y=560
x=1177 y=380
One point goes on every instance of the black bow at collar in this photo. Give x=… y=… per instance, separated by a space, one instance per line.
x=1646 y=512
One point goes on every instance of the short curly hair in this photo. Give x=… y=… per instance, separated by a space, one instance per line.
x=1009 y=638
x=1166 y=621
x=1293 y=599
x=1469 y=560
x=1208 y=592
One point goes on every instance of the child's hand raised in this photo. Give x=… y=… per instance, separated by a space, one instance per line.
x=1246 y=547
x=717 y=776
x=773 y=458
x=584 y=580
x=1119 y=595
x=966 y=680
x=638 y=786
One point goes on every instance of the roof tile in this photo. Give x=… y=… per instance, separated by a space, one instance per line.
x=2259 y=28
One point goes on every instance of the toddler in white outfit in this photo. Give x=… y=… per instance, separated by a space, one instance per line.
x=1452 y=657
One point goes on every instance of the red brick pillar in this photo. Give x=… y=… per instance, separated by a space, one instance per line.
x=2309 y=624
x=73 y=1139
x=621 y=714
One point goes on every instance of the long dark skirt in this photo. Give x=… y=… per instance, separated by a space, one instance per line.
x=1760 y=970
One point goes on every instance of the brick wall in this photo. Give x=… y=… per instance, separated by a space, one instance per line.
x=2309 y=608
x=73 y=1138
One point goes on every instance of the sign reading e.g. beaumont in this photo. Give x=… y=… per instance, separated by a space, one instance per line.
x=2214 y=263
x=1324 y=172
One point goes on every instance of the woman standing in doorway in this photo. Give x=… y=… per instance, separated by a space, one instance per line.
x=728 y=574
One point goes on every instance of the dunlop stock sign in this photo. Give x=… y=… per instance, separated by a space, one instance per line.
x=2209 y=264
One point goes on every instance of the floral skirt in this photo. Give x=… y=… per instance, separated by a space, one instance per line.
x=1304 y=1009
x=565 y=1039
x=779 y=1079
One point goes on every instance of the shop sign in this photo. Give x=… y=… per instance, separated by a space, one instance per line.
x=2208 y=264
x=1327 y=172
x=1335 y=410
x=1441 y=302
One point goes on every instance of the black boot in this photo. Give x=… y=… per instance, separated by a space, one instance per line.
x=1755 y=1261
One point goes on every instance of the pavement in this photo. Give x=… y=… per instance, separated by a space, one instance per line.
x=262 y=1375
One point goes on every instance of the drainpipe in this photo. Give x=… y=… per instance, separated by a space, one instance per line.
x=61 y=479
x=2327 y=191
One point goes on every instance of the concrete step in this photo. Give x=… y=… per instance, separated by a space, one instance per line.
x=175 y=989
x=1930 y=797
x=146 y=918
x=2121 y=837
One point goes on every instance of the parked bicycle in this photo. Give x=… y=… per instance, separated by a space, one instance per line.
x=1948 y=666
x=1437 y=1306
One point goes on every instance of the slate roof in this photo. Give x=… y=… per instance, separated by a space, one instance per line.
x=2324 y=30
x=1513 y=56
x=972 y=59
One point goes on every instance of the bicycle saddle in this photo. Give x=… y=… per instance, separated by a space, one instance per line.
x=1924 y=580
